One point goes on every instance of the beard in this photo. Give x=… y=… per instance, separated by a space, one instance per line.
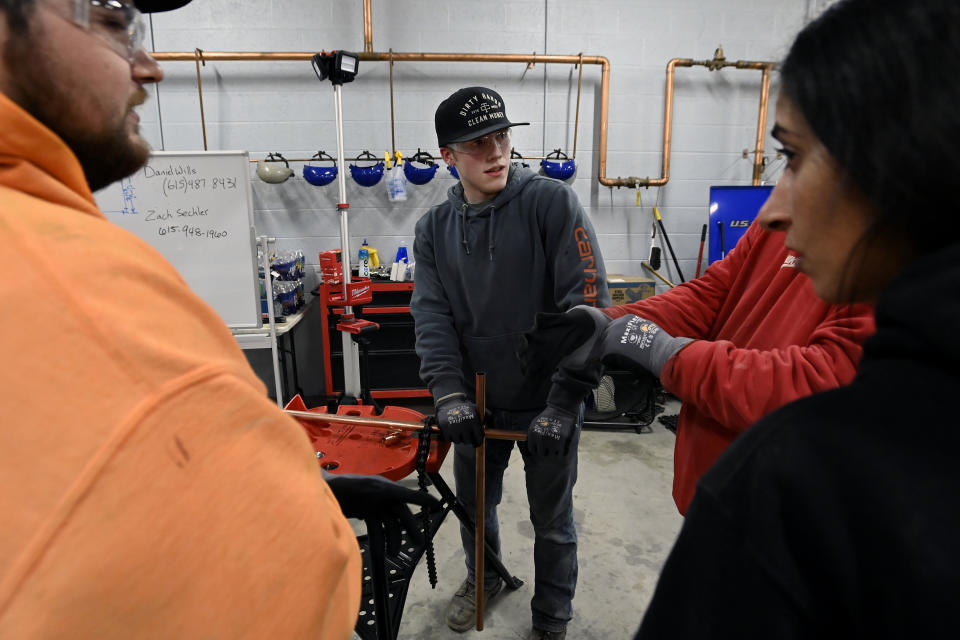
x=108 y=150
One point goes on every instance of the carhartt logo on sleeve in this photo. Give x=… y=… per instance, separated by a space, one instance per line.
x=587 y=259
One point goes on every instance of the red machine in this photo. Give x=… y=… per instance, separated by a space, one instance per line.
x=368 y=450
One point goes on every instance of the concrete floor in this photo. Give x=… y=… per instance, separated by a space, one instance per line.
x=626 y=522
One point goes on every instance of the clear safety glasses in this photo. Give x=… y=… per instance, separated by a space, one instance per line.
x=118 y=24
x=485 y=145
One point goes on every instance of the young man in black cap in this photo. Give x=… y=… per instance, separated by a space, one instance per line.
x=149 y=486
x=506 y=245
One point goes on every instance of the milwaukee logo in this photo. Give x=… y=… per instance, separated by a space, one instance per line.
x=589 y=266
x=791 y=261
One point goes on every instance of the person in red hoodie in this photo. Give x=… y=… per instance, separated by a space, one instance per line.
x=751 y=336
x=745 y=338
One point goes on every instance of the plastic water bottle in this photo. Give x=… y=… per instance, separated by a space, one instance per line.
x=363 y=256
x=396 y=184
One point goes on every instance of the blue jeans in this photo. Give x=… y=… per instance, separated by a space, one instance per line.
x=550 y=481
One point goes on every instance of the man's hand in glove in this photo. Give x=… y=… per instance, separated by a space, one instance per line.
x=551 y=432
x=458 y=420
x=374 y=498
x=635 y=343
x=565 y=339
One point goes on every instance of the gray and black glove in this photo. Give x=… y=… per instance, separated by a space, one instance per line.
x=562 y=339
x=634 y=343
x=376 y=499
x=553 y=431
x=458 y=420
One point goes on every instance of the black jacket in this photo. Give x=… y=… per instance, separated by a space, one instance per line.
x=838 y=515
x=483 y=274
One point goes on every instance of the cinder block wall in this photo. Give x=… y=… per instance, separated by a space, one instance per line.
x=266 y=107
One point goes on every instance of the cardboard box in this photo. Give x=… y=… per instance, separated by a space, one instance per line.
x=627 y=288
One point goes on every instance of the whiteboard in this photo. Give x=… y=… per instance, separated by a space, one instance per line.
x=195 y=208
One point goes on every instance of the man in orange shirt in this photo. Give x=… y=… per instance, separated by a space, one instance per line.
x=148 y=485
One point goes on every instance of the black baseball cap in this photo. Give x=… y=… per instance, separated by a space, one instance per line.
x=470 y=113
x=156 y=6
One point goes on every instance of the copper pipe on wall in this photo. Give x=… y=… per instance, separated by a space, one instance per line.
x=198 y=56
x=234 y=56
x=761 y=128
x=295 y=56
x=367 y=27
x=393 y=140
x=718 y=62
x=576 y=118
x=630 y=181
x=479 y=535
x=255 y=160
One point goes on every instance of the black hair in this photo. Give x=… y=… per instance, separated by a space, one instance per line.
x=875 y=79
x=17 y=13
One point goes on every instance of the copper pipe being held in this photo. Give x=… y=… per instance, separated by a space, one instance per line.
x=481 y=472
x=407 y=426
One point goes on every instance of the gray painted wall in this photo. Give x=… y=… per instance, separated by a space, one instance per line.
x=266 y=107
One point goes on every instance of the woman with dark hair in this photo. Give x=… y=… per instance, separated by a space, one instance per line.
x=838 y=515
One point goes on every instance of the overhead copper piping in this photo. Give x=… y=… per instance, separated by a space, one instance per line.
x=359 y=159
x=718 y=62
x=630 y=181
x=390 y=56
x=367 y=27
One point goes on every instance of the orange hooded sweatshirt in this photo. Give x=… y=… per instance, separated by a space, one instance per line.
x=148 y=486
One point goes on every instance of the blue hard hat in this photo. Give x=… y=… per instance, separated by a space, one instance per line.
x=558 y=165
x=367 y=176
x=420 y=175
x=320 y=176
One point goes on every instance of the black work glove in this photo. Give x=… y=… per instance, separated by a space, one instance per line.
x=551 y=432
x=562 y=339
x=636 y=344
x=458 y=420
x=374 y=498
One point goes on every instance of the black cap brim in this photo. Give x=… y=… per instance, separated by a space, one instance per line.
x=156 y=6
x=497 y=126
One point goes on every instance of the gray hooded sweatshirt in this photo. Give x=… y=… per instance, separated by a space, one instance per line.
x=483 y=273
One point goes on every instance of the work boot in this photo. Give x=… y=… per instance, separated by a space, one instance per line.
x=541 y=634
x=462 y=610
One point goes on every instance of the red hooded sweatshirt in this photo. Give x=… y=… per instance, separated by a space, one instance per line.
x=763 y=339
